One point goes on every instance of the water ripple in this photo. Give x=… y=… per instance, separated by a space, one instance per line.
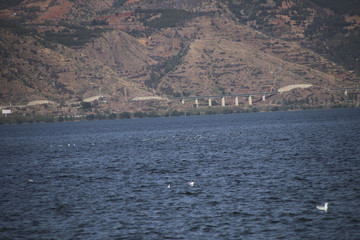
x=257 y=176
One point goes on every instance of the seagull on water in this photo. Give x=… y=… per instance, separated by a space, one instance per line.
x=191 y=183
x=323 y=208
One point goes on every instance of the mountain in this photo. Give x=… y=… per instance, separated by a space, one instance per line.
x=109 y=53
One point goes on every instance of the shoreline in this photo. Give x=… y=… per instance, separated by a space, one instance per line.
x=26 y=119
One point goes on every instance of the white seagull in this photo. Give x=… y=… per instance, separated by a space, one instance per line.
x=191 y=183
x=323 y=208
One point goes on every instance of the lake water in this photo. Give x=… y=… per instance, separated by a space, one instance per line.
x=257 y=176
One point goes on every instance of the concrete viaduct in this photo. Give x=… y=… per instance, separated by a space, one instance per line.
x=236 y=96
x=223 y=98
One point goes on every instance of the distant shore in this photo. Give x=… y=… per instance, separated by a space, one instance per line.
x=22 y=119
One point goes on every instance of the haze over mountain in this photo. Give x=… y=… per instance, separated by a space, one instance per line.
x=67 y=52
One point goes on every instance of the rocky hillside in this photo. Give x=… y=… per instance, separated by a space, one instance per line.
x=111 y=52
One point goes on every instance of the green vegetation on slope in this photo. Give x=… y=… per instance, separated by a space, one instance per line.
x=14 y=28
x=328 y=34
x=162 y=18
x=4 y=4
x=74 y=36
x=119 y=3
x=165 y=66
x=261 y=12
x=351 y=7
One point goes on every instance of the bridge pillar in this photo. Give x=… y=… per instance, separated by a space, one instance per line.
x=183 y=101
x=346 y=92
x=237 y=101
x=263 y=98
x=196 y=102
x=210 y=103
x=223 y=101
x=250 y=100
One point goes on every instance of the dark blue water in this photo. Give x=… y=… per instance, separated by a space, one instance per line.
x=257 y=176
